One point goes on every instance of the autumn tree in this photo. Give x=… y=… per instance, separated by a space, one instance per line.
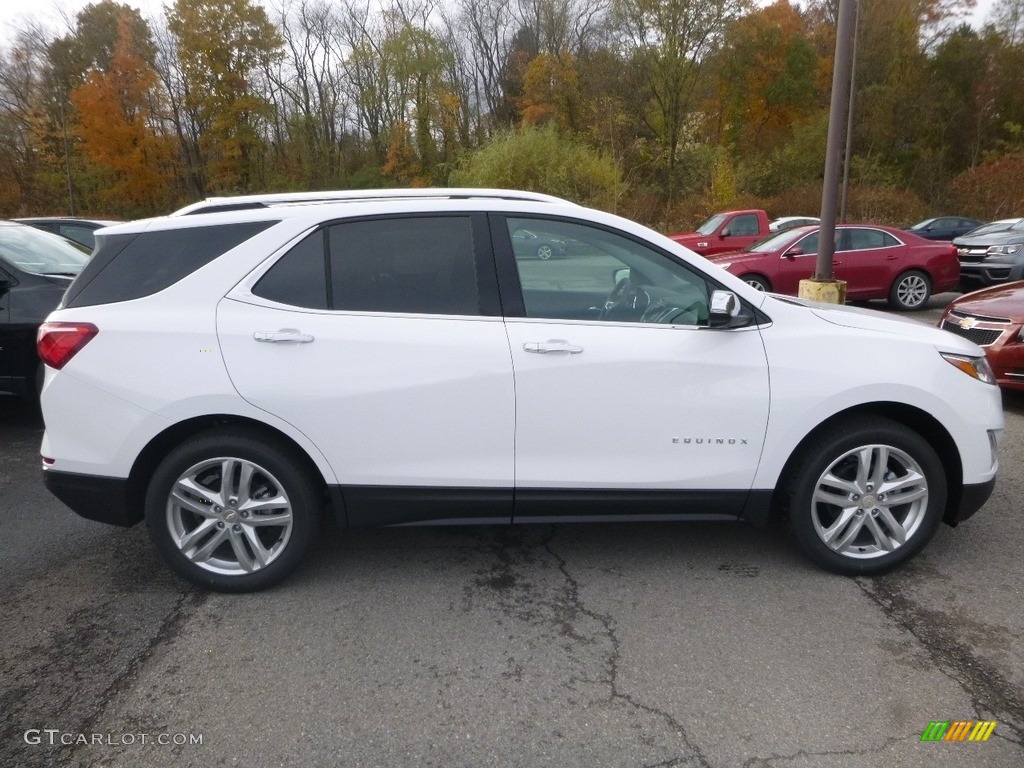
x=225 y=48
x=765 y=79
x=116 y=128
x=670 y=41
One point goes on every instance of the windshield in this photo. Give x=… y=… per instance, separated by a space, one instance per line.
x=38 y=252
x=709 y=226
x=922 y=224
x=780 y=240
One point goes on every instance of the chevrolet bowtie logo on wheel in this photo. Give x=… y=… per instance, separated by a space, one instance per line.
x=958 y=730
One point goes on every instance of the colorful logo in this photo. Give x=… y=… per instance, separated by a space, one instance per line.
x=958 y=730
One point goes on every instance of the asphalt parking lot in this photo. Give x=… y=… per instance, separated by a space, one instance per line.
x=695 y=644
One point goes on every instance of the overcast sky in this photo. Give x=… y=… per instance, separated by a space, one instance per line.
x=51 y=12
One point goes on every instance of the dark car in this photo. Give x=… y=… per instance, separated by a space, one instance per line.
x=993 y=318
x=876 y=263
x=990 y=257
x=528 y=244
x=79 y=230
x=35 y=270
x=944 y=227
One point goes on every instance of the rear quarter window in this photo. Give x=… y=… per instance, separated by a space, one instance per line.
x=128 y=267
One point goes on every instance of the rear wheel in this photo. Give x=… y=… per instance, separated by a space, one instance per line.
x=232 y=512
x=911 y=290
x=866 y=496
x=545 y=252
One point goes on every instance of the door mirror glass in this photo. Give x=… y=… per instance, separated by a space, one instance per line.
x=797 y=251
x=620 y=276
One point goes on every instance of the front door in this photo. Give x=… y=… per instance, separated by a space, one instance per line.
x=626 y=401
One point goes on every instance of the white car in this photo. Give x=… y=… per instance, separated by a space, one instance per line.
x=231 y=372
x=789 y=222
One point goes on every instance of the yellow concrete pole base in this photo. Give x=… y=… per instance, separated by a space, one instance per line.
x=826 y=291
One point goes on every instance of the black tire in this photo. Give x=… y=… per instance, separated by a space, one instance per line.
x=860 y=526
x=910 y=291
x=757 y=282
x=237 y=524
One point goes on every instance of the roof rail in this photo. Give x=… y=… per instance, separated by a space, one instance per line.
x=242 y=202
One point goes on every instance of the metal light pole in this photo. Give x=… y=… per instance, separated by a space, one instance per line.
x=833 y=154
x=848 y=154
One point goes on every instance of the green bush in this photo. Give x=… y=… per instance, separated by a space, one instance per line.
x=541 y=160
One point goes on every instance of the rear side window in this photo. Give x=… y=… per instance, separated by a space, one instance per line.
x=414 y=265
x=128 y=267
x=417 y=265
x=299 y=278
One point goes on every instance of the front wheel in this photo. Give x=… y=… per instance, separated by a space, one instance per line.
x=866 y=496
x=545 y=252
x=230 y=511
x=911 y=290
x=757 y=282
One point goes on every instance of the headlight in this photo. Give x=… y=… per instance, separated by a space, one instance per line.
x=975 y=367
x=1003 y=250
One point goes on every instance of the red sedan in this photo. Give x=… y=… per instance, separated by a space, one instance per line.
x=993 y=318
x=876 y=263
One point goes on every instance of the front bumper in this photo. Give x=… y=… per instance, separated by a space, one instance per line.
x=988 y=272
x=103 y=499
x=972 y=498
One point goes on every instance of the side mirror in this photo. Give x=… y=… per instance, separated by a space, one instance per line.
x=620 y=275
x=794 y=252
x=725 y=232
x=726 y=311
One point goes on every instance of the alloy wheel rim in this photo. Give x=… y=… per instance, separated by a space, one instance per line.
x=912 y=291
x=869 y=502
x=229 y=516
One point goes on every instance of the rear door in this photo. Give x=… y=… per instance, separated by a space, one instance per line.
x=871 y=258
x=381 y=340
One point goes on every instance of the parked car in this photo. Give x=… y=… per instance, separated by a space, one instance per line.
x=944 y=227
x=991 y=257
x=876 y=263
x=528 y=244
x=727 y=231
x=35 y=270
x=788 y=222
x=79 y=230
x=993 y=318
x=232 y=371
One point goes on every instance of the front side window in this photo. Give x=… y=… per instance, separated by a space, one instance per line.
x=595 y=274
x=744 y=225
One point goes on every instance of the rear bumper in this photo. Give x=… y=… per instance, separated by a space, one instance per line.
x=972 y=498
x=103 y=499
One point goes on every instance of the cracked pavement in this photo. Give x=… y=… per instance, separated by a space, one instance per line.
x=700 y=644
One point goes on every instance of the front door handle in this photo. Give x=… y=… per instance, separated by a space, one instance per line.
x=284 y=336
x=555 y=345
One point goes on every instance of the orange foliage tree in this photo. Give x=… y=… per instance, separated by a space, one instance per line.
x=116 y=129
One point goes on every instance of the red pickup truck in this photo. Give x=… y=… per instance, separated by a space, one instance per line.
x=729 y=231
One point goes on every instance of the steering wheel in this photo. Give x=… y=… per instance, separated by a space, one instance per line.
x=627 y=301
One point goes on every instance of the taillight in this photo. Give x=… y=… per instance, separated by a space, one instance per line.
x=57 y=343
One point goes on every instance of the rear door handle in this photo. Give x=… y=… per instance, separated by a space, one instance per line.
x=555 y=345
x=284 y=336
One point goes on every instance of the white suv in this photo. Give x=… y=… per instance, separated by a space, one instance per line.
x=234 y=370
